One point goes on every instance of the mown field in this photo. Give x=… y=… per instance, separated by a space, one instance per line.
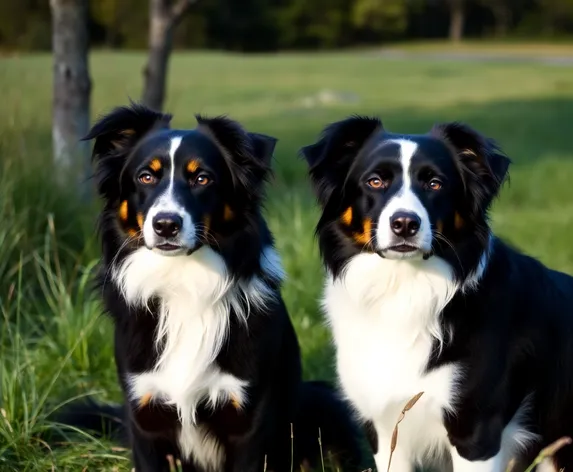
x=54 y=343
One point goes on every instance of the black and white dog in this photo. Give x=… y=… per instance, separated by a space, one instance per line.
x=421 y=297
x=206 y=354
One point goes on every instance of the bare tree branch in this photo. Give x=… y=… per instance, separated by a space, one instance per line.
x=163 y=18
x=179 y=8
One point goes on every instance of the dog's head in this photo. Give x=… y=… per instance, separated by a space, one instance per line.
x=403 y=196
x=177 y=190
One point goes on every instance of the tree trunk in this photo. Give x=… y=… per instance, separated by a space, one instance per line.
x=163 y=18
x=502 y=16
x=457 y=15
x=72 y=85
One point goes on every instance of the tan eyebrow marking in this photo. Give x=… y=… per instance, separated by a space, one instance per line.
x=155 y=165
x=193 y=165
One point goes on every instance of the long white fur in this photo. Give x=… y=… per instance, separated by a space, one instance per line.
x=196 y=294
x=384 y=317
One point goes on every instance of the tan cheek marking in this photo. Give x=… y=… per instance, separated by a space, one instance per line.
x=193 y=166
x=228 y=213
x=131 y=232
x=140 y=220
x=347 y=216
x=123 y=211
x=155 y=165
x=207 y=223
x=144 y=400
x=127 y=132
x=458 y=221
x=440 y=226
x=364 y=237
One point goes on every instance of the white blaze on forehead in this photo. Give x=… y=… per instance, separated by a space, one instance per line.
x=407 y=151
x=175 y=143
x=167 y=203
x=405 y=200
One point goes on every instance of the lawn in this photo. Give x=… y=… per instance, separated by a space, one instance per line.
x=55 y=346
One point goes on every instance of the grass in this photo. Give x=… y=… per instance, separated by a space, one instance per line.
x=55 y=346
x=495 y=47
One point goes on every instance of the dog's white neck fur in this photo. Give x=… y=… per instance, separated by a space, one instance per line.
x=384 y=316
x=195 y=296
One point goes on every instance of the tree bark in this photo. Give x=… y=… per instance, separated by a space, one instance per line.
x=457 y=18
x=502 y=16
x=72 y=85
x=163 y=18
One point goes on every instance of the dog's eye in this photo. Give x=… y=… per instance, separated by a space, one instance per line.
x=378 y=182
x=202 y=179
x=435 y=184
x=147 y=178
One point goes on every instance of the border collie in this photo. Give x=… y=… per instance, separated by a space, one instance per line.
x=422 y=297
x=206 y=354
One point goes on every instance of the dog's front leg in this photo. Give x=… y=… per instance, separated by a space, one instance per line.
x=246 y=456
x=396 y=460
x=463 y=465
x=151 y=454
x=476 y=445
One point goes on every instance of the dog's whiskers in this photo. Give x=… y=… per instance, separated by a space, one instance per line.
x=440 y=237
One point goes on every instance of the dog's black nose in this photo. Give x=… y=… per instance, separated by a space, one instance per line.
x=167 y=225
x=405 y=224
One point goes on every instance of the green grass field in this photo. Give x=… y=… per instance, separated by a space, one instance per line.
x=55 y=346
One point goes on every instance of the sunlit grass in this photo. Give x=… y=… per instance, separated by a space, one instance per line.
x=54 y=343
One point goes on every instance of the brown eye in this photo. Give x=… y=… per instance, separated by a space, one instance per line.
x=147 y=178
x=377 y=182
x=435 y=184
x=202 y=179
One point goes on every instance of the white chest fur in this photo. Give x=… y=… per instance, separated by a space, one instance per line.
x=195 y=296
x=383 y=314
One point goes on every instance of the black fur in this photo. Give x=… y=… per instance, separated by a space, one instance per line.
x=513 y=332
x=264 y=352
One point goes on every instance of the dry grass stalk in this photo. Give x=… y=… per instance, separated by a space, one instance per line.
x=549 y=451
x=394 y=440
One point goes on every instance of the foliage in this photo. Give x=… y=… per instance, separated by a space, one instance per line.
x=386 y=17
x=267 y=25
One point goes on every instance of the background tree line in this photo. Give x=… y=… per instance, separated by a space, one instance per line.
x=270 y=25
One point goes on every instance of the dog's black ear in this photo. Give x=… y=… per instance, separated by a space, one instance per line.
x=117 y=132
x=331 y=156
x=115 y=136
x=484 y=166
x=247 y=154
x=263 y=147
